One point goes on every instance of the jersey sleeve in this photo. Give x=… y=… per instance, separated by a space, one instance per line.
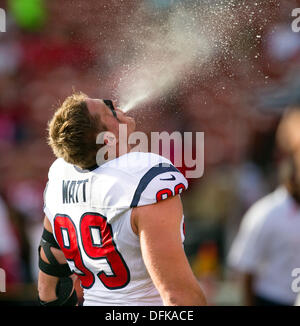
x=159 y=182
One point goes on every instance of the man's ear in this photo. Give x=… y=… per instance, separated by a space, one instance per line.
x=107 y=138
x=110 y=139
x=109 y=150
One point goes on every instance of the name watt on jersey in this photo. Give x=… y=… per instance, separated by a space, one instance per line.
x=74 y=191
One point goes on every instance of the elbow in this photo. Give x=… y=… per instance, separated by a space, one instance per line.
x=44 y=292
x=46 y=287
x=186 y=297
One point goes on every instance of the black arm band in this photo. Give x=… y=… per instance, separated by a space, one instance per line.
x=49 y=237
x=54 y=268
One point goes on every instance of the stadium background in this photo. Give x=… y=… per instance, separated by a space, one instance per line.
x=53 y=47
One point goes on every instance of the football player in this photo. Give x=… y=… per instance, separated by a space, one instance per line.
x=118 y=227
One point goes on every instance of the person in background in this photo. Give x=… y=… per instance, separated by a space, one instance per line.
x=9 y=247
x=265 y=250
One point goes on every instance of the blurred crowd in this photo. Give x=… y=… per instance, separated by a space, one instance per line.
x=53 y=47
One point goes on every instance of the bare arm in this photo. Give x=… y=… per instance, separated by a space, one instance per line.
x=158 y=227
x=47 y=283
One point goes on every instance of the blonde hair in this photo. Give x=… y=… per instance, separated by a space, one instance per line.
x=73 y=131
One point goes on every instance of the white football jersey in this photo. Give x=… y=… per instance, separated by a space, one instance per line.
x=90 y=216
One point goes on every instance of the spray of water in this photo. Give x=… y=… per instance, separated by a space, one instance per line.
x=168 y=46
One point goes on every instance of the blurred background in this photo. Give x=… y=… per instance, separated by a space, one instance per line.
x=51 y=48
